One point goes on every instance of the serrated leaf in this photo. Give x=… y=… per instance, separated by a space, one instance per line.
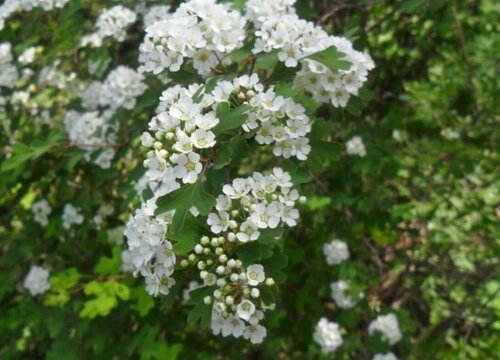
x=181 y=200
x=230 y=119
x=332 y=58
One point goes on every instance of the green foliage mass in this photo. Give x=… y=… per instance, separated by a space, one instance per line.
x=420 y=212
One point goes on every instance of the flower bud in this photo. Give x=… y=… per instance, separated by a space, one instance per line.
x=255 y=293
x=229 y=300
x=184 y=263
x=203 y=274
x=207 y=300
x=223 y=258
x=198 y=249
x=205 y=240
x=231 y=237
x=234 y=277
x=201 y=265
x=269 y=281
x=220 y=269
x=219 y=251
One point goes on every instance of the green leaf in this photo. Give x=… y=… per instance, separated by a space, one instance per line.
x=331 y=58
x=145 y=302
x=254 y=251
x=189 y=236
x=23 y=153
x=181 y=200
x=60 y=284
x=109 y=265
x=273 y=267
x=106 y=295
x=230 y=119
x=269 y=236
x=201 y=311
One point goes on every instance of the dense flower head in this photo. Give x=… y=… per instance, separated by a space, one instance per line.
x=112 y=22
x=41 y=211
x=246 y=208
x=388 y=356
x=339 y=295
x=156 y=13
x=327 y=335
x=9 y=7
x=336 y=252
x=37 y=281
x=388 y=327
x=93 y=132
x=295 y=40
x=8 y=71
x=121 y=88
x=71 y=216
x=259 y=10
x=201 y=30
x=355 y=146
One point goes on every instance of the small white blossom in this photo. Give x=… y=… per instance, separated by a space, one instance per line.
x=37 y=281
x=327 y=335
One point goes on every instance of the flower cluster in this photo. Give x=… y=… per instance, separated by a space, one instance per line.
x=71 y=215
x=112 y=22
x=388 y=327
x=259 y=10
x=276 y=120
x=203 y=31
x=246 y=207
x=355 y=146
x=178 y=133
x=336 y=252
x=41 y=211
x=388 y=356
x=8 y=71
x=11 y=6
x=156 y=13
x=121 y=88
x=327 y=335
x=27 y=56
x=37 y=281
x=149 y=250
x=92 y=131
x=343 y=300
x=295 y=40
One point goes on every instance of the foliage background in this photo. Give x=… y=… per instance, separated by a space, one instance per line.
x=419 y=212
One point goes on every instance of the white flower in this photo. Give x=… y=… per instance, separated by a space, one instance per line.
x=266 y=216
x=336 y=252
x=343 y=300
x=238 y=189
x=355 y=146
x=187 y=166
x=248 y=232
x=114 y=21
x=388 y=327
x=41 y=210
x=255 y=333
x=37 y=281
x=245 y=309
x=233 y=326
x=388 y=356
x=327 y=335
x=255 y=274
x=203 y=139
x=340 y=97
x=121 y=88
x=71 y=215
x=184 y=143
x=27 y=56
x=218 y=222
